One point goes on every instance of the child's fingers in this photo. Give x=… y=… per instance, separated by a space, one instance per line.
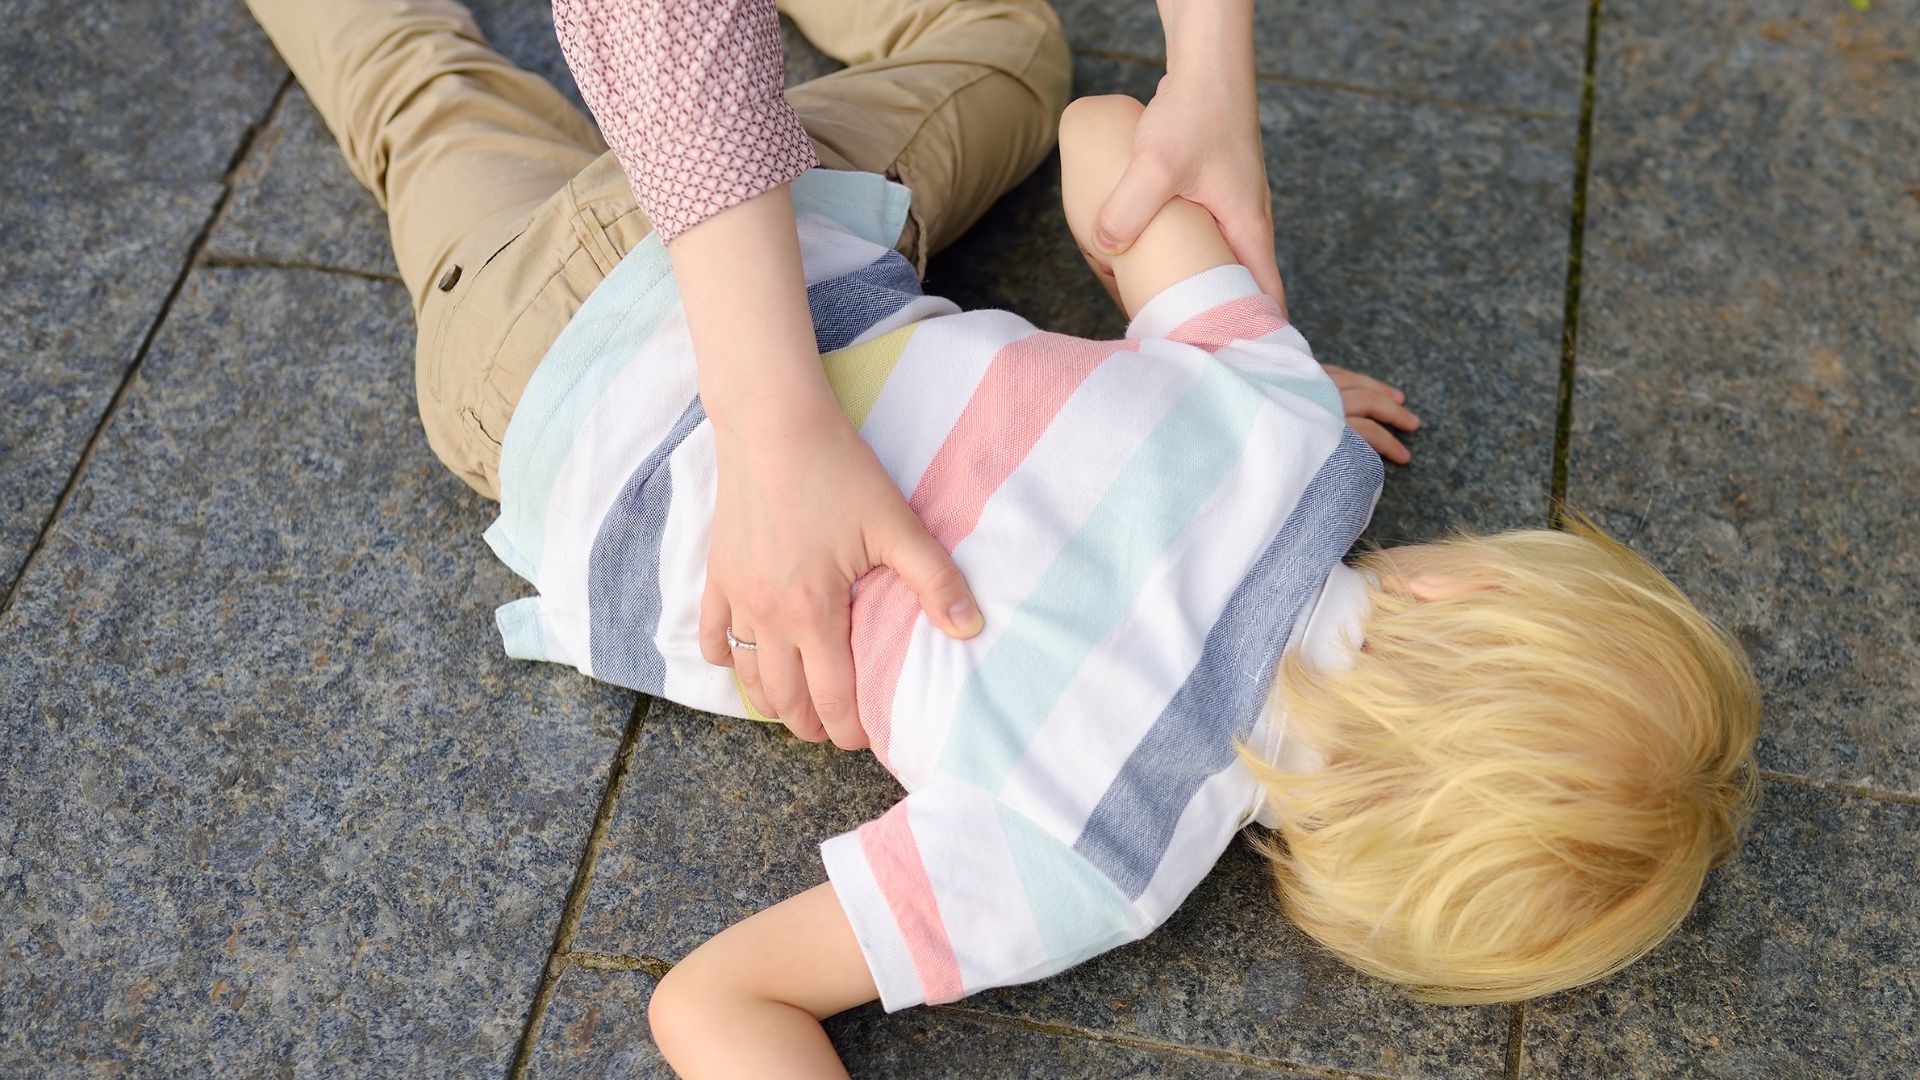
x=1345 y=379
x=1380 y=439
x=1377 y=404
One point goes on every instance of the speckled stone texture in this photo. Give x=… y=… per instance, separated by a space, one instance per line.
x=1798 y=961
x=596 y=1027
x=113 y=163
x=1504 y=54
x=296 y=204
x=1749 y=372
x=1423 y=245
x=720 y=818
x=275 y=800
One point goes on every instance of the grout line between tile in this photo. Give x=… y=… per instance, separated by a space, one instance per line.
x=1283 y=79
x=598 y=961
x=249 y=262
x=1839 y=788
x=1137 y=1043
x=1516 y=1039
x=1576 y=251
x=560 y=955
x=195 y=248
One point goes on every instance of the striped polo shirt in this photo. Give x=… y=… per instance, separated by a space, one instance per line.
x=1147 y=524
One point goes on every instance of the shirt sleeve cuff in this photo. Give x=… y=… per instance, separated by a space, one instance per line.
x=717 y=165
x=884 y=950
x=1189 y=297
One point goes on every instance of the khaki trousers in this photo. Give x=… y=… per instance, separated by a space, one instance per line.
x=507 y=209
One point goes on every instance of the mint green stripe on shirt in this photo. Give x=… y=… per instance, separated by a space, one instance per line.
x=1317 y=389
x=1079 y=912
x=1092 y=583
x=564 y=390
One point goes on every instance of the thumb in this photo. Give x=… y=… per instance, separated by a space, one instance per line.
x=1143 y=189
x=930 y=573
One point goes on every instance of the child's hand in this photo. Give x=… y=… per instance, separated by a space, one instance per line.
x=1371 y=406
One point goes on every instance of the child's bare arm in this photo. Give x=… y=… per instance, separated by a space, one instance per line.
x=1096 y=140
x=749 y=1001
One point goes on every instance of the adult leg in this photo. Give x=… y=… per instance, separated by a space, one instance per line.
x=463 y=150
x=957 y=99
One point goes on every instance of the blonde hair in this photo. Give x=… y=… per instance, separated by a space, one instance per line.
x=1527 y=775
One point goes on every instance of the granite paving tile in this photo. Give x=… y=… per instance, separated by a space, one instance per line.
x=295 y=203
x=277 y=801
x=1420 y=244
x=113 y=163
x=722 y=817
x=596 y=1027
x=1798 y=961
x=1506 y=54
x=1749 y=360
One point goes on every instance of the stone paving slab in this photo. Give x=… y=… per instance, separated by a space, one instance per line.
x=596 y=1027
x=278 y=803
x=1749 y=360
x=295 y=203
x=1508 y=54
x=719 y=818
x=1424 y=245
x=1797 y=963
x=113 y=163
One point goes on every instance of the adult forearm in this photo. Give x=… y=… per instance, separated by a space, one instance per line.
x=1214 y=36
x=746 y=303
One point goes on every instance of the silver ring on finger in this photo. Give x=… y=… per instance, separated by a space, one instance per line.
x=736 y=643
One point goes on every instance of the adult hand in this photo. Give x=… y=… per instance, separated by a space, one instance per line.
x=803 y=508
x=803 y=511
x=1199 y=140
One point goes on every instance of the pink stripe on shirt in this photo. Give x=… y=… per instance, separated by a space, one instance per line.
x=894 y=859
x=1248 y=318
x=1024 y=388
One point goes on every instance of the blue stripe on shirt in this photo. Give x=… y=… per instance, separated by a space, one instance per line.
x=1127 y=835
x=847 y=306
x=623 y=572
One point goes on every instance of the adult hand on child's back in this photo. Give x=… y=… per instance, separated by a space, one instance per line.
x=1199 y=140
x=803 y=511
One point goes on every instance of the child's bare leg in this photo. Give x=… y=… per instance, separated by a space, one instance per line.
x=1096 y=140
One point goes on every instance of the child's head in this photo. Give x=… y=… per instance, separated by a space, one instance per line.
x=1538 y=752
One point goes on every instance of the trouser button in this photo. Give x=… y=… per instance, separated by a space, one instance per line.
x=449 y=279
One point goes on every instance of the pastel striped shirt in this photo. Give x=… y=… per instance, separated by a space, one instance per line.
x=1147 y=525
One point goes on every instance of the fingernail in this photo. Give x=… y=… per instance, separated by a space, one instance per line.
x=1103 y=240
x=965 y=615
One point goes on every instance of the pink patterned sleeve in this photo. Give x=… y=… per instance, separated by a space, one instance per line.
x=688 y=93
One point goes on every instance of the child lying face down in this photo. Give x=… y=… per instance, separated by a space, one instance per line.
x=1492 y=768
